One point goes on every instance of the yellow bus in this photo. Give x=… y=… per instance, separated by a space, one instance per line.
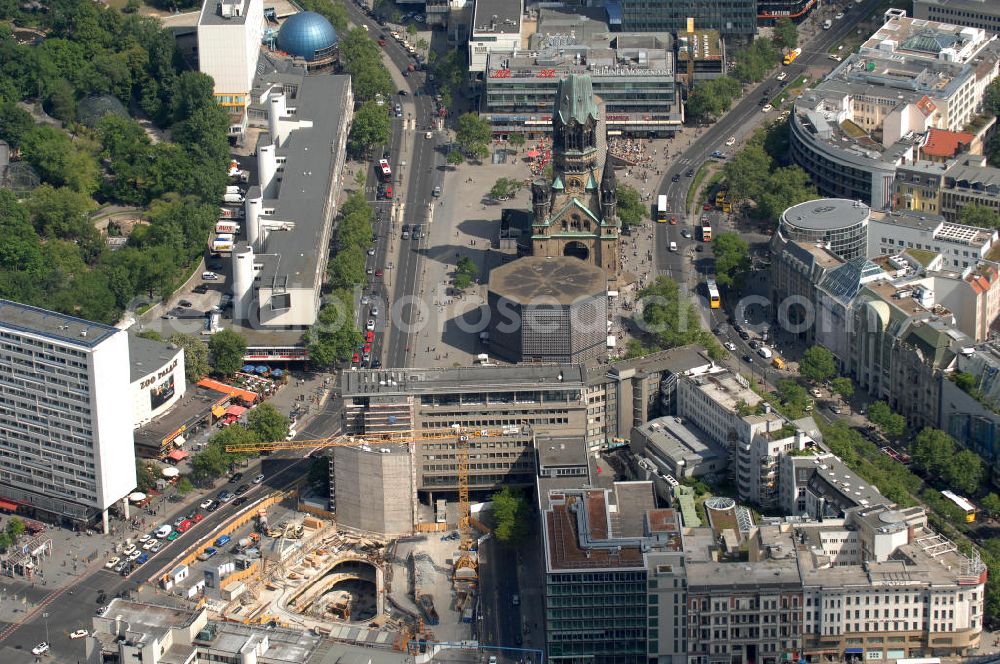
x=714 y=301
x=720 y=197
x=962 y=504
x=791 y=55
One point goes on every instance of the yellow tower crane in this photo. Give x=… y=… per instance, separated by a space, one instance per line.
x=463 y=437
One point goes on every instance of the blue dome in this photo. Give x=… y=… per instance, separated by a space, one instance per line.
x=307 y=35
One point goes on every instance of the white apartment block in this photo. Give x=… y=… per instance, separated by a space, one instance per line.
x=961 y=246
x=66 y=447
x=229 y=43
x=881 y=584
x=496 y=28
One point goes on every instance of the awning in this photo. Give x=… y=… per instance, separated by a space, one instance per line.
x=179 y=441
x=854 y=651
x=235 y=411
x=7 y=505
x=216 y=386
x=178 y=455
x=170 y=472
x=218 y=411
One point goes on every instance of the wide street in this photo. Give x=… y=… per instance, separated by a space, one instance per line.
x=72 y=606
x=739 y=122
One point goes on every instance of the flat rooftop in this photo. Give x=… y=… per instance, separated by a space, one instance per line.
x=704 y=574
x=496 y=17
x=541 y=281
x=58 y=327
x=702 y=45
x=680 y=443
x=460 y=379
x=831 y=478
x=826 y=214
x=147 y=356
x=928 y=40
x=723 y=388
x=152 y=618
x=193 y=406
x=291 y=646
x=555 y=450
x=921 y=221
x=812 y=253
x=236 y=10
x=292 y=258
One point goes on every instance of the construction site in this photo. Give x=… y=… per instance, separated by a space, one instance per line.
x=283 y=562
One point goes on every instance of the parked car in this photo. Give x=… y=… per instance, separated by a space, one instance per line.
x=79 y=634
x=222 y=541
x=207 y=553
x=112 y=562
x=259 y=478
x=235 y=478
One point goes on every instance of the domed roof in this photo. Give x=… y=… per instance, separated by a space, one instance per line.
x=307 y=35
x=93 y=108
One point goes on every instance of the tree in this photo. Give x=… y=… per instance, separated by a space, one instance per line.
x=455 y=158
x=784 y=188
x=747 y=172
x=817 y=364
x=152 y=335
x=347 y=269
x=843 y=386
x=892 y=424
x=974 y=214
x=965 y=472
x=369 y=128
x=333 y=337
x=510 y=511
x=319 y=475
x=517 y=140
x=631 y=210
x=227 y=349
x=732 y=258
x=990 y=504
x=786 y=34
x=712 y=98
x=465 y=272
x=15 y=527
x=184 y=486
x=669 y=319
x=267 y=423
x=145 y=474
x=754 y=61
x=196 y=364
x=991 y=99
x=793 y=396
x=59 y=160
x=15 y=122
x=473 y=133
x=504 y=188
x=411 y=29
x=422 y=44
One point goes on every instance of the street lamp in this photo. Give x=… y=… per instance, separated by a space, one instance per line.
x=45 y=615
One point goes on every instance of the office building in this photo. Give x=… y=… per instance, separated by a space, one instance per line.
x=734 y=19
x=129 y=631
x=972 y=295
x=744 y=594
x=229 y=43
x=701 y=56
x=900 y=348
x=157 y=378
x=678 y=449
x=722 y=405
x=974 y=420
x=614 y=569
x=880 y=585
x=796 y=269
x=496 y=28
x=945 y=188
x=548 y=310
x=278 y=272
x=519 y=400
x=819 y=486
x=633 y=74
x=66 y=450
x=961 y=246
x=870 y=115
x=630 y=392
x=839 y=225
x=833 y=298
x=759 y=471
x=981 y=14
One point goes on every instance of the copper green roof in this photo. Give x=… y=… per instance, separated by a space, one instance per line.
x=575 y=99
x=557 y=183
x=591 y=183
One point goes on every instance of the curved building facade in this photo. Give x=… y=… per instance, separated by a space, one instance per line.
x=839 y=172
x=837 y=223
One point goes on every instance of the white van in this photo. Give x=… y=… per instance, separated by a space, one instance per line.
x=163 y=531
x=673 y=246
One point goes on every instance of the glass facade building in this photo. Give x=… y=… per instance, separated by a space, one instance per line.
x=732 y=18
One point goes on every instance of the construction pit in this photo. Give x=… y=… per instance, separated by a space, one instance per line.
x=354 y=588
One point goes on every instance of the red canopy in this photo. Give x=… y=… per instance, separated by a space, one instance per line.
x=178 y=455
x=235 y=411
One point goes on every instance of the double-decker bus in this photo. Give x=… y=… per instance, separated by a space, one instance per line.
x=661 y=208
x=383 y=170
x=714 y=301
x=706 y=232
x=791 y=55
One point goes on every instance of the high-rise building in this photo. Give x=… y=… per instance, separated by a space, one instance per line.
x=66 y=448
x=229 y=42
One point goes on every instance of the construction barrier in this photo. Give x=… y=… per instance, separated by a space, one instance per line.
x=315 y=511
x=431 y=527
x=236 y=577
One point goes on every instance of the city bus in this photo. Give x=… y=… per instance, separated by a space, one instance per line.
x=714 y=301
x=962 y=504
x=383 y=169
x=791 y=55
x=661 y=208
x=706 y=233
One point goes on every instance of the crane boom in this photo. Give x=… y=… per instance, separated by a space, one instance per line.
x=344 y=440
